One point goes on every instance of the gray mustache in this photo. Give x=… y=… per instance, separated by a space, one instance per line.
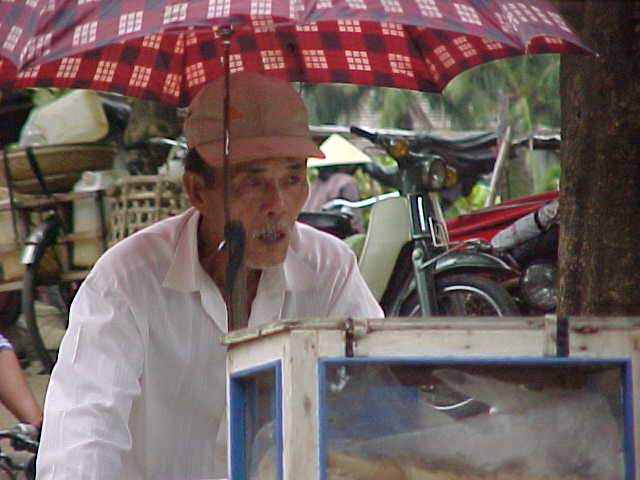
x=271 y=228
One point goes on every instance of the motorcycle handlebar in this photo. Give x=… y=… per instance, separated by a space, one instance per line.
x=365 y=134
x=367 y=202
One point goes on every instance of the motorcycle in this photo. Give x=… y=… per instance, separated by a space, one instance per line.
x=531 y=242
x=407 y=259
x=524 y=233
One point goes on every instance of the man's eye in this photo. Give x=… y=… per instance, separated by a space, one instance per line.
x=293 y=179
x=253 y=182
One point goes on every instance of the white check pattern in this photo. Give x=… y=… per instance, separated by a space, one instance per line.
x=261 y=7
x=130 y=22
x=340 y=40
x=85 y=34
x=105 y=72
x=467 y=13
x=195 y=74
x=140 y=77
x=218 y=8
x=272 y=59
x=13 y=37
x=175 y=13
x=428 y=8
x=69 y=67
x=36 y=47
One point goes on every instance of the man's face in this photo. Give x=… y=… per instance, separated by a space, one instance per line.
x=266 y=197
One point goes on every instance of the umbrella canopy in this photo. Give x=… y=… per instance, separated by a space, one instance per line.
x=165 y=50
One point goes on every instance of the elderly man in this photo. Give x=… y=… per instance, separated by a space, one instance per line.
x=139 y=388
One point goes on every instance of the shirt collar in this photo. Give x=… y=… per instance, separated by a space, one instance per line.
x=185 y=270
x=186 y=274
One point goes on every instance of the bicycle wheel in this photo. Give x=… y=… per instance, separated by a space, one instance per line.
x=30 y=469
x=6 y=473
x=45 y=304
x=464 y=295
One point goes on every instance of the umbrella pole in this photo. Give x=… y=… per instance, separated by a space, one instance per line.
x=235 y=275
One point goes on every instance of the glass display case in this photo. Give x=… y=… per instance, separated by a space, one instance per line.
x=371 y=400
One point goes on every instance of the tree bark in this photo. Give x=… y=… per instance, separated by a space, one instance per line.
x=600 y=160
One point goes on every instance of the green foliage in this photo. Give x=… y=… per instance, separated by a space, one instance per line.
x=530 y=84
x=551 y=179
x=475 y=200
x=329 y=103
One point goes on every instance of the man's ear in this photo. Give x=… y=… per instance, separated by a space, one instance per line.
x=193 y=184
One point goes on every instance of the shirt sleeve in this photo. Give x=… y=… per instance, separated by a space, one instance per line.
x=4 y=343
x=92 y=387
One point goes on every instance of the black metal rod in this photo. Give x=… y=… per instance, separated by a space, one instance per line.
x=235 y=274
x=562 y=337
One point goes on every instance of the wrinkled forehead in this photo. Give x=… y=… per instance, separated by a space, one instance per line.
x=270 y=164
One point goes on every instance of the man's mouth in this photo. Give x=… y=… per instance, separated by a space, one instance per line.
x=270 y=234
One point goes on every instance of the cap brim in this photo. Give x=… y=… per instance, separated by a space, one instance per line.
x=259 y=148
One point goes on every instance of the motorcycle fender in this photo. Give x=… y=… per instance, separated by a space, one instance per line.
x=472 y=260
x=39 y=239
x=389 y=230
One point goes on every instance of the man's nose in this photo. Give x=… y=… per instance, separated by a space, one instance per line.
x=274 y=199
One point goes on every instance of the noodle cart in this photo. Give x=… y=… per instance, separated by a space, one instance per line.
x=416 y=399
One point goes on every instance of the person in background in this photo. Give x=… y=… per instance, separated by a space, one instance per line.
x=139 y=388
x=15 y=393
x=335 y=177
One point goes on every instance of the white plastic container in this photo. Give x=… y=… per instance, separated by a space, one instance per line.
x=86 y=216
x=77 y=117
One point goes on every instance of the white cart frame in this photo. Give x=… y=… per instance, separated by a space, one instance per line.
x=295 y=350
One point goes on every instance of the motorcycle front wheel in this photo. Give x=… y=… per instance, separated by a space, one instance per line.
x=461 y=295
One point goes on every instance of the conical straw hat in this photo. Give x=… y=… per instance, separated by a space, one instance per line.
x=338 y=151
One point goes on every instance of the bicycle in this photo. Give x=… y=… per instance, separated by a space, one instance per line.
x=50 y=280
x=23 y=437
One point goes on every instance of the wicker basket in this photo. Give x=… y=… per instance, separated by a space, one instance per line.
x=140 y=200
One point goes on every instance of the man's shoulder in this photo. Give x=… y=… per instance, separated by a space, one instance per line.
x=146 y=247
x=320 y=248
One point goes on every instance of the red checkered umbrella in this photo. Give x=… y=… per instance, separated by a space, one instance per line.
x=166 y=49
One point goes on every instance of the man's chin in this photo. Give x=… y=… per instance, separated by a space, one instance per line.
x=259 y=256
x=265 y=261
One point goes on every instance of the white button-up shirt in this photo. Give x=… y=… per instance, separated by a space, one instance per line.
x=138 y=391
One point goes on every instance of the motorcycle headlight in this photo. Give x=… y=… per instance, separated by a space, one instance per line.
x=398 y=148
x=539 y=286
x=434 y=174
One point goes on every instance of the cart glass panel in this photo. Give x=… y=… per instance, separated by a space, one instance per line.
x=532 y=419
x=256 y=425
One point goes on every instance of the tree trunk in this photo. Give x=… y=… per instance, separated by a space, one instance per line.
x=600 y=159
